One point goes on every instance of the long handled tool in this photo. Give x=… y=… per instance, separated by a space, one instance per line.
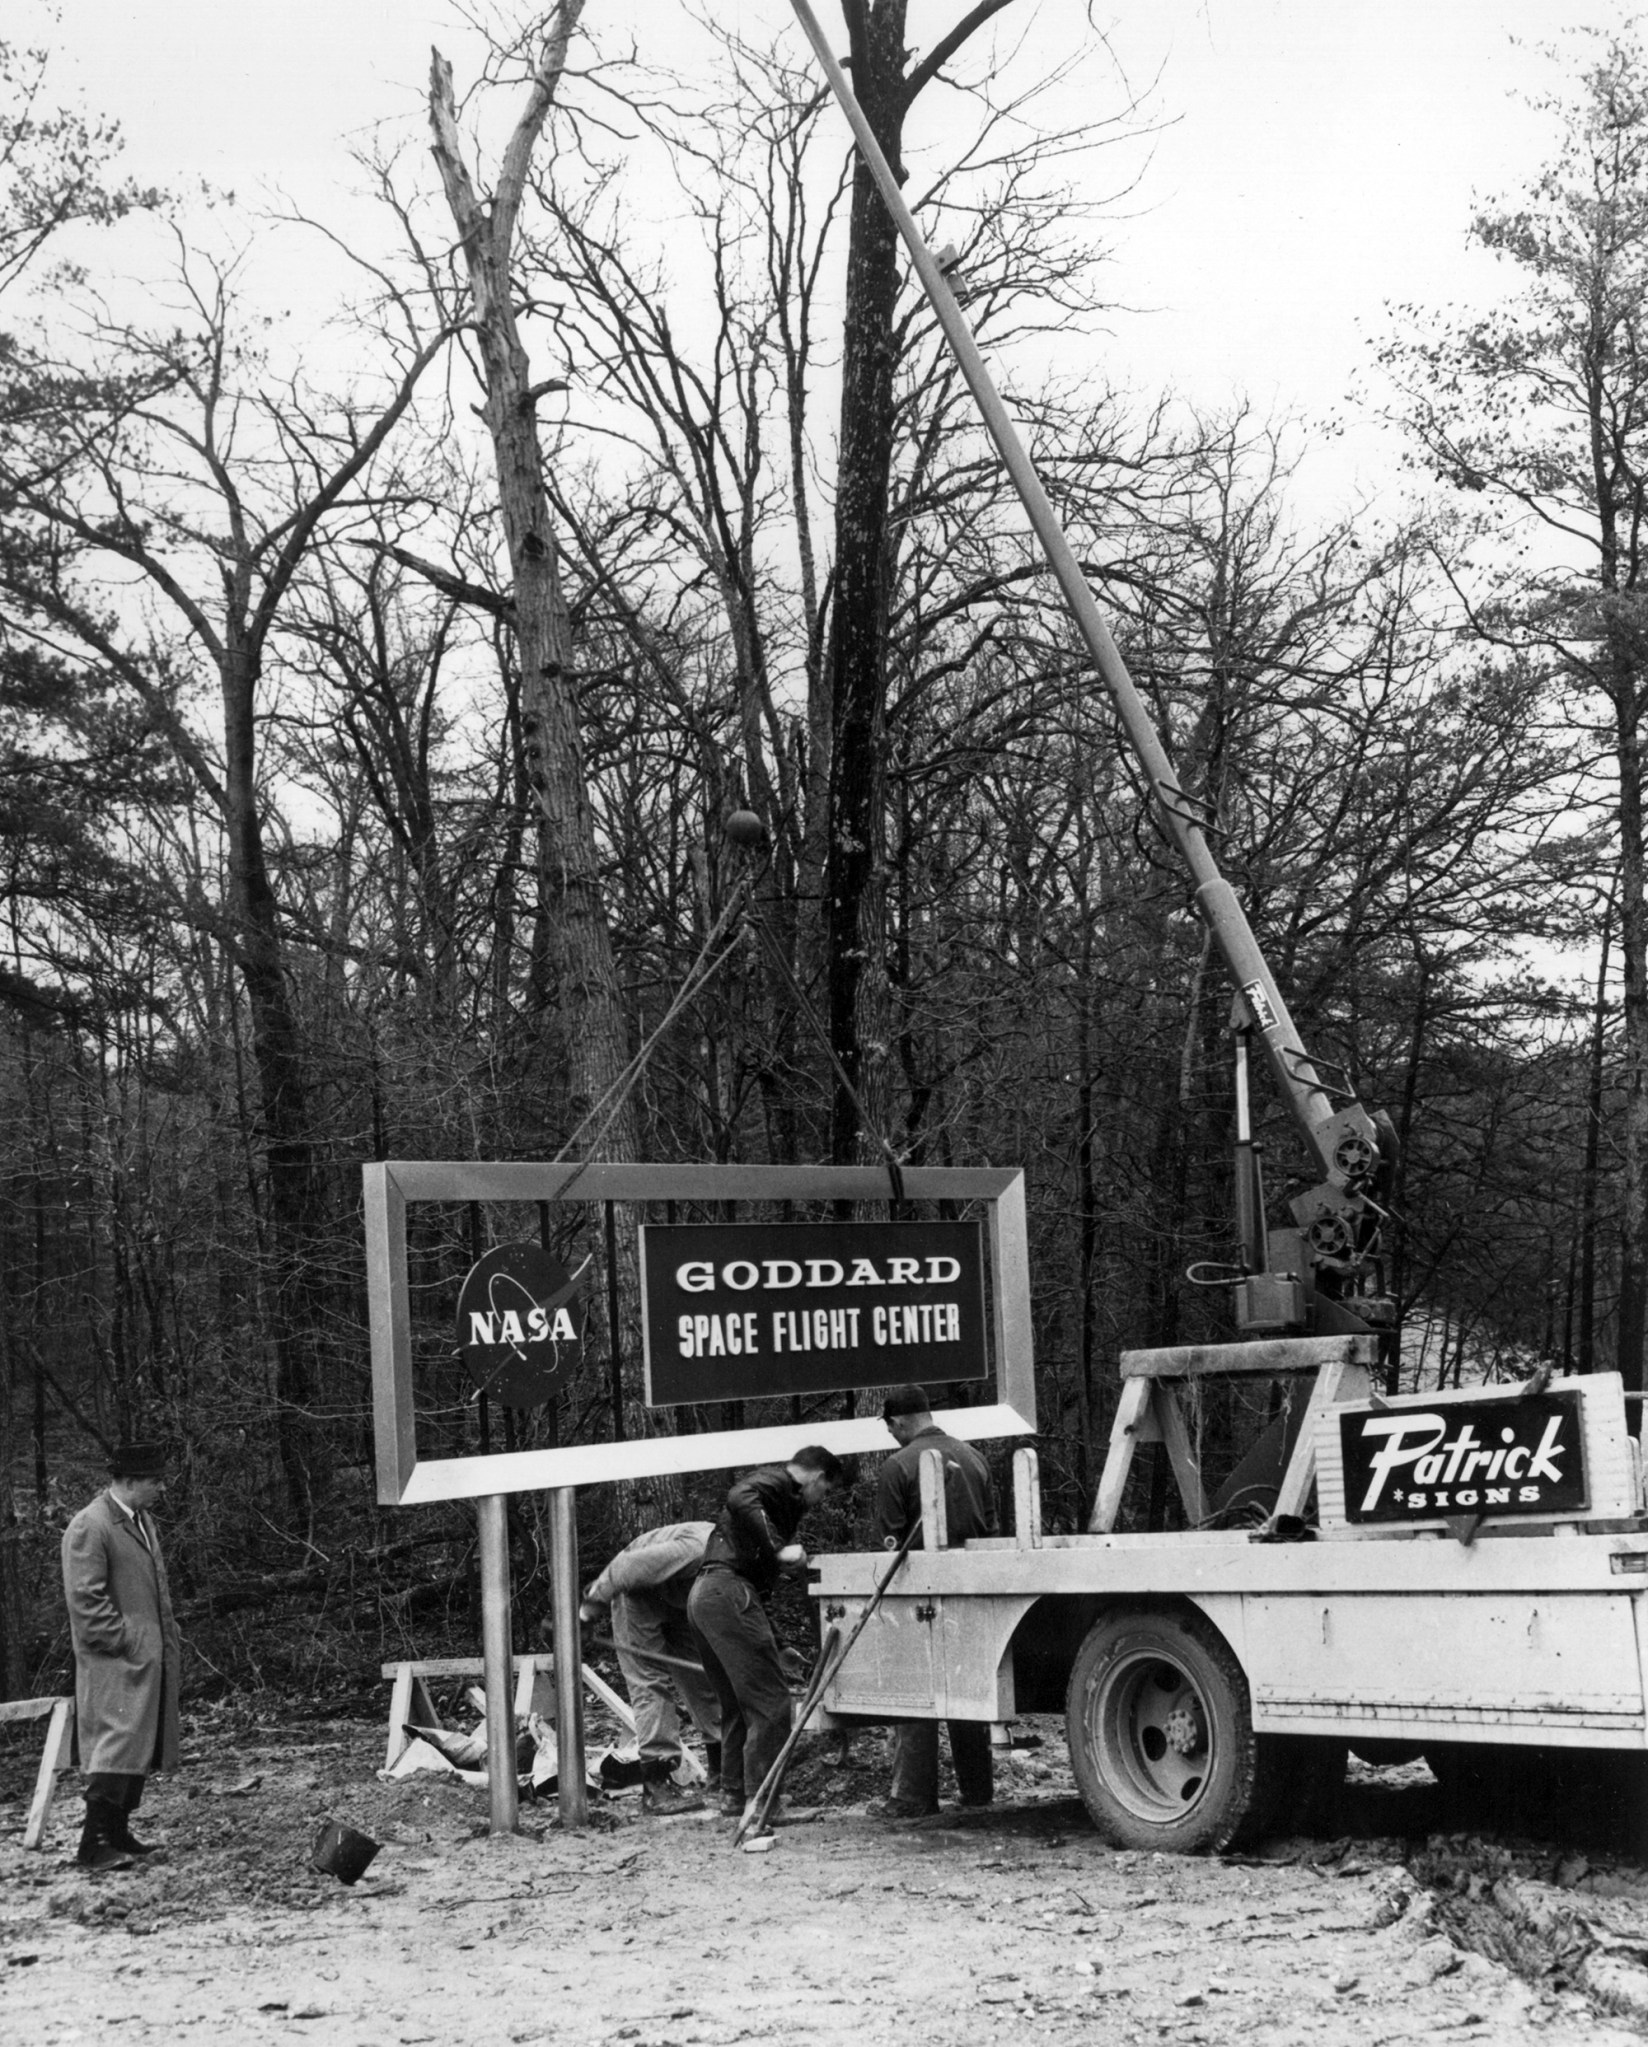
x=651 y=1655
x=830 y=1660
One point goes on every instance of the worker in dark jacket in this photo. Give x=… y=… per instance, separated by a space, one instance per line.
x=646 y=1586
x=969 y=1510
x=126 y=1652
x=753 y=1544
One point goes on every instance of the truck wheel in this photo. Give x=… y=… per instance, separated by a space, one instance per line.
x=1161 y=1736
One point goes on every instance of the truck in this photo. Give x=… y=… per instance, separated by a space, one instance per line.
x=1462 y=1574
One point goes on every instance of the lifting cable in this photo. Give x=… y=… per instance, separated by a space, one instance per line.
x=698 y=976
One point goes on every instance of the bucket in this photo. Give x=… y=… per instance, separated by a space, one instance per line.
x=342 y=1852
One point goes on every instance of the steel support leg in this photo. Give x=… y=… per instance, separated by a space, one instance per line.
x=497 y=1663
x=573 y=1796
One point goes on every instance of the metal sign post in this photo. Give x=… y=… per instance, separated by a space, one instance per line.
x=573 y=1788
x=497 y=1663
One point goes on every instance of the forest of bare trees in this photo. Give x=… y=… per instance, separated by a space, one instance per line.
x=374 y=693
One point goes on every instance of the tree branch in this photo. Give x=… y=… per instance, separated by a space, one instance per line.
x=946 y=46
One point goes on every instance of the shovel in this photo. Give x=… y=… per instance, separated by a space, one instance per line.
x=830 y=1660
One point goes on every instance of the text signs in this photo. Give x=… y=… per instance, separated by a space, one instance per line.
x=520 y=1324
x=1465 y=1457
x=739 y=1311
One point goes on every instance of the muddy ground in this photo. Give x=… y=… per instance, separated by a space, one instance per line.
x=972 y=1927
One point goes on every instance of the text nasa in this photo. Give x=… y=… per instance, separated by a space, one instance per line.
x=797 y=1329
x=538 y=1326
x=1459 y=1470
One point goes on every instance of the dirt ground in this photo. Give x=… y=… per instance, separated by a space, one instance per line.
x=972 y=1927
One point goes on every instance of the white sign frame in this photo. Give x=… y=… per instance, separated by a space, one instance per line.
x=406 y=1480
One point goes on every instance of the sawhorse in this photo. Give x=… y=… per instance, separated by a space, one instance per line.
x=1150 y=1411
x=410 y=1700
x=58 y=1713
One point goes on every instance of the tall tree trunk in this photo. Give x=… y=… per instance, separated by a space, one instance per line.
x=1589 y=1174
x=1633 y=947
x=854 y=907
x=295 y=1212
x=582 y=969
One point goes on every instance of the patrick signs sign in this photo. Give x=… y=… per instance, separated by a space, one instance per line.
x=1488 y=1457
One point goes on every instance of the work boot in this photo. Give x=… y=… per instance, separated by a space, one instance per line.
x=122 y=1837
x=663 y=1798
x=899 y=1809
x=98 y=1850
x=120 y=1831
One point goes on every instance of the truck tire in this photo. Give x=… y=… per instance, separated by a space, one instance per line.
x=1161 y=1735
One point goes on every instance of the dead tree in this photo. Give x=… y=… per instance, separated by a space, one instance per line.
x=582 y=970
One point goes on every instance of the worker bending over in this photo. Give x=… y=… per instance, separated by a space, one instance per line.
x=646 y=1587
x=969 y=1510
x=753 y=1544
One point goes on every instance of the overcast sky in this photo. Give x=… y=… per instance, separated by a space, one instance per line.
x=1319 y=158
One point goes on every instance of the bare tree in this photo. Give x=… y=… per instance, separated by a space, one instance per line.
x=581 y=969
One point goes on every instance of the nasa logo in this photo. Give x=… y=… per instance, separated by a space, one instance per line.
x=520 y=1324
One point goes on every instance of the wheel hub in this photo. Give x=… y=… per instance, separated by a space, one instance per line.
x=1183 y=1730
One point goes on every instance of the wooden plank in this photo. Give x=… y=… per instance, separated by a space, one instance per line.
x=598 y=1688
x=935 y=1508
x=1336 y=1381
x=400 y=1711
x=1026 y=1499
x=1131 y=1410
x=458 y=1666
x=1269 y=1357
x=54 y=1760
x=27 y=1709
x=1181 y=1454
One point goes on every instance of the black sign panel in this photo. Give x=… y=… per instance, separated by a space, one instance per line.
x=738 y=1311
x=1489 y=1457
x=520 y=1324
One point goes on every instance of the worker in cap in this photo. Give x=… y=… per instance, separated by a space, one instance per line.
x=126 y=1652
x=646 y=1587
x=751 y=1547
x=969 y=1510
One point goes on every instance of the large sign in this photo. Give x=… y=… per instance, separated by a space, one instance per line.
x=401 y=1338
x=1489 y=1457
x=520 y=1324
x=737 y=1311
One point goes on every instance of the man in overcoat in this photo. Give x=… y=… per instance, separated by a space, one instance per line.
x=126 y=1652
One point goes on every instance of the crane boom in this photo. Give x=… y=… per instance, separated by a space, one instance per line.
x=1338 y=1219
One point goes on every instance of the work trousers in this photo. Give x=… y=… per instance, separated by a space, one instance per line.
x=915 y=1762
x=736 y=1641
x=642 y=1631
x=122 y=1789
